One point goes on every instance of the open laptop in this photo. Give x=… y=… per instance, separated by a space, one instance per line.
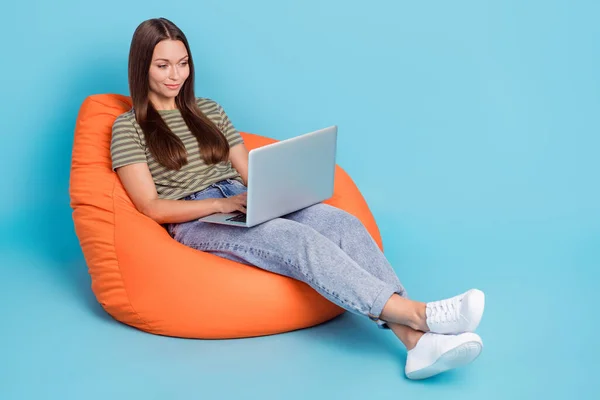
x=286 y=176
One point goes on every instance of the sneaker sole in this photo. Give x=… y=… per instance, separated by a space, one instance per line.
x=457 y=357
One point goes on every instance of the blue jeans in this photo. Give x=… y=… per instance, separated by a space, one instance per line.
x=321 y=245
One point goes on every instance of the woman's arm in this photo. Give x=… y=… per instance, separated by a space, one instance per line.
x=238 y=155
x=140 y=187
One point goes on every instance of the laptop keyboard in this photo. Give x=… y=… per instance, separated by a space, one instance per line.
x=241 y=217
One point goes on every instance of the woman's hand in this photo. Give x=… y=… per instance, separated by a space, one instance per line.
x=232 y=204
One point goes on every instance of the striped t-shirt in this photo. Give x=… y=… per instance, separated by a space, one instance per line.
x=128 y=146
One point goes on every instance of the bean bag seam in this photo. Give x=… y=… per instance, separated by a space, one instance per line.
x=103 y=104
x=114 y=214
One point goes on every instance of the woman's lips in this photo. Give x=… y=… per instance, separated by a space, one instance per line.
x=172 y=86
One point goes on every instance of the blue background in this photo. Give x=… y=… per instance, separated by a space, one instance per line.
x=471 y=128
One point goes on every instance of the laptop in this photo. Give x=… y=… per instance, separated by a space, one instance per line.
x=286 y=176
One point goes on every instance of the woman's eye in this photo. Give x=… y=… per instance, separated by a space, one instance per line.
x=165 y=65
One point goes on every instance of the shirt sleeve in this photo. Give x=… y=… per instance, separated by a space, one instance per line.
x=125 y=146
x=231 y=134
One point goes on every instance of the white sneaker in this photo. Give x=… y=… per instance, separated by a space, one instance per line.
x=435 y=353
x=457 y=314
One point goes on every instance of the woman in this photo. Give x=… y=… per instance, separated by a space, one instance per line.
x=180 y=158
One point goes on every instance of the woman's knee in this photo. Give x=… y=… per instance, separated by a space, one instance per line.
x=344 y=220
x=330 y=213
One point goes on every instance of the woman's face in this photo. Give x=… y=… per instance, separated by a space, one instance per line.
x=168 y=70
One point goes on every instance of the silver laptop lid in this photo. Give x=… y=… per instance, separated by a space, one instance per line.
x=291 y=174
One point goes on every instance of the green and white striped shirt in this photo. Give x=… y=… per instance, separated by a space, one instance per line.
x=128 y=146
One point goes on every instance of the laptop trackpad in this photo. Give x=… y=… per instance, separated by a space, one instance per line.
x=241 y=217
x=237 y=218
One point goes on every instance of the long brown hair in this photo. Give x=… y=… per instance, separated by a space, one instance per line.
x=165 y=146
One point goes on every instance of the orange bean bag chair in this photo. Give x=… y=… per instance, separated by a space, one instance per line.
x=146 y=279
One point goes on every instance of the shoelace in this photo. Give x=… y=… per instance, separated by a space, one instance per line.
x=443 y=311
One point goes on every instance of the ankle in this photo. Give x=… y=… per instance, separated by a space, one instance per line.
x=419 y=319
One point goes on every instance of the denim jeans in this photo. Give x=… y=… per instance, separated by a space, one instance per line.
x=321 y=245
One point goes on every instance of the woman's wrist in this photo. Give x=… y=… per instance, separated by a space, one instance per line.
x=214 y=206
